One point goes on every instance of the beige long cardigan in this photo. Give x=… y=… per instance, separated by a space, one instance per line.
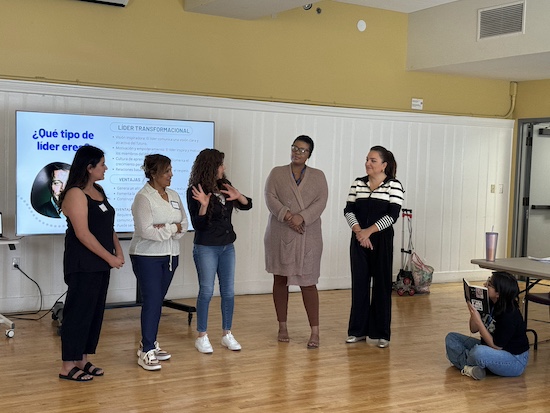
x=296 y=256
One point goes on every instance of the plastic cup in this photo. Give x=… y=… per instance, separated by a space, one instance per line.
x=491 y=239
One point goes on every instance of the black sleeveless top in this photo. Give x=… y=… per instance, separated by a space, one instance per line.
x=78 y=258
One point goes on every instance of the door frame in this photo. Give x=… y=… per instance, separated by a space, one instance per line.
x=522 y=184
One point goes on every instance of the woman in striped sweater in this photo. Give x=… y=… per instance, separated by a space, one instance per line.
x=372 y=207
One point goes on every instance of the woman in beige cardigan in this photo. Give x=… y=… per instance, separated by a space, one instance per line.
x=296 y=196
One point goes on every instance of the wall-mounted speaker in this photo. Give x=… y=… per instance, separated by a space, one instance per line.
x=120 y=3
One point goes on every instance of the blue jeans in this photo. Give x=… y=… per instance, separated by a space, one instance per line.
x=468 y=351
x=154 y=277
x=210 y=260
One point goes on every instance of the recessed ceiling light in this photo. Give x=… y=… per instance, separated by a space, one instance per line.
x=308 y=6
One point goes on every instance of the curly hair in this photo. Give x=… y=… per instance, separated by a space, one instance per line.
x=205 y=170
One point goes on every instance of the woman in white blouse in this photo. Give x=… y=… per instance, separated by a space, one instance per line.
x=159 y=223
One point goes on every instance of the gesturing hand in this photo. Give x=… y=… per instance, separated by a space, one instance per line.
x=231 y=192
x=200 y=196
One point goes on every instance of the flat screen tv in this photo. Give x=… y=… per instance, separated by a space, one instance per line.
x=46 y=144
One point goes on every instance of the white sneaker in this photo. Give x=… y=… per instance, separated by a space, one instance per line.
x=475 y=372
x=160 y=354
x=383 y=343
x=355 y=339
x=229 y=341
x=203 y=345
x=149 y=361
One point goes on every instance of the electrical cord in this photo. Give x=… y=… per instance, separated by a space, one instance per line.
x=17 y=316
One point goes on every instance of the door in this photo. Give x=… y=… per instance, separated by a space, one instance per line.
x=533 y=200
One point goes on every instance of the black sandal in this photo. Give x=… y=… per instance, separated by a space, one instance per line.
x=92 y=370
x=73 y=375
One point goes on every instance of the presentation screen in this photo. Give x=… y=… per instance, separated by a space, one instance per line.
x=47 y=142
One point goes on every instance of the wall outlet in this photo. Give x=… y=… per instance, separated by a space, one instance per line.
x=15 y=261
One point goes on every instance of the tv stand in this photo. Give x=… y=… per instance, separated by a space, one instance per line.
x=189 y=309
x=10 y=332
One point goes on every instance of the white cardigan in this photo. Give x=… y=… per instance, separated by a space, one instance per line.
x=149 y=209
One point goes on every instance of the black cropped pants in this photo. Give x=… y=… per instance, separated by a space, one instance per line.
x=83 y=313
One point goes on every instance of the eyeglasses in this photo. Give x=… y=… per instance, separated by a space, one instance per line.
x=295 y=149
x=489 y=283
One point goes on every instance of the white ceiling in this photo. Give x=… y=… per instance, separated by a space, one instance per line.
x=516 y=68
x=254 y=9
x=403 y=6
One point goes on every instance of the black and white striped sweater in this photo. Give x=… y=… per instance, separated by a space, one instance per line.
x=381 y=206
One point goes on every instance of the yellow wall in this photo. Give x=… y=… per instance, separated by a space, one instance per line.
x=297 y=56
x=533 y=100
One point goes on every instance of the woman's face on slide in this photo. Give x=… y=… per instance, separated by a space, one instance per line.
x=59 y=180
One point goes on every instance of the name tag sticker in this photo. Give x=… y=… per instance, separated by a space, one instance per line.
x=175 y=205
x=103 y=207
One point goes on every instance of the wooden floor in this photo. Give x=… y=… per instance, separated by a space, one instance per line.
x=412 y=375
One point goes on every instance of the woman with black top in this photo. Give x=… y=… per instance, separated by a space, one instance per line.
x=503 y=348
x=373 y=206
x=91 y=250
x=211 y=199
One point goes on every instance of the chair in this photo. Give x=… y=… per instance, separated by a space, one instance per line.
x=539 y=298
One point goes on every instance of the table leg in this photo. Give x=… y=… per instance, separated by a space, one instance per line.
x=528 y=286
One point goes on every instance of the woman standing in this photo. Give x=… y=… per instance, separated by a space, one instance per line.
x=296 y=196
x=211 y=199
x=91 y=250
x=373 y=206
x=159 y=223
x=504 y=347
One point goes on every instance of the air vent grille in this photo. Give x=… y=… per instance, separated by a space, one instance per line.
x=498 y=21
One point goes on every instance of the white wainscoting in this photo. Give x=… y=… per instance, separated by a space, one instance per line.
x=447 y=165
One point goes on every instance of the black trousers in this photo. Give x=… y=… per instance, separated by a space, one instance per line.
x=83 y=313
x=371 y=310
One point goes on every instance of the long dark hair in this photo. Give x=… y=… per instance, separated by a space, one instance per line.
x=205 y=170
x=387 y=156
x=506 y=285
x=85 y=156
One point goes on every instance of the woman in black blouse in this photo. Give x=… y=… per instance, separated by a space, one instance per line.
x=373 y=206
x=211 y=199
x=92 y=248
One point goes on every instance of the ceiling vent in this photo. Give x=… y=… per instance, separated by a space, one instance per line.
x=501 y=20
